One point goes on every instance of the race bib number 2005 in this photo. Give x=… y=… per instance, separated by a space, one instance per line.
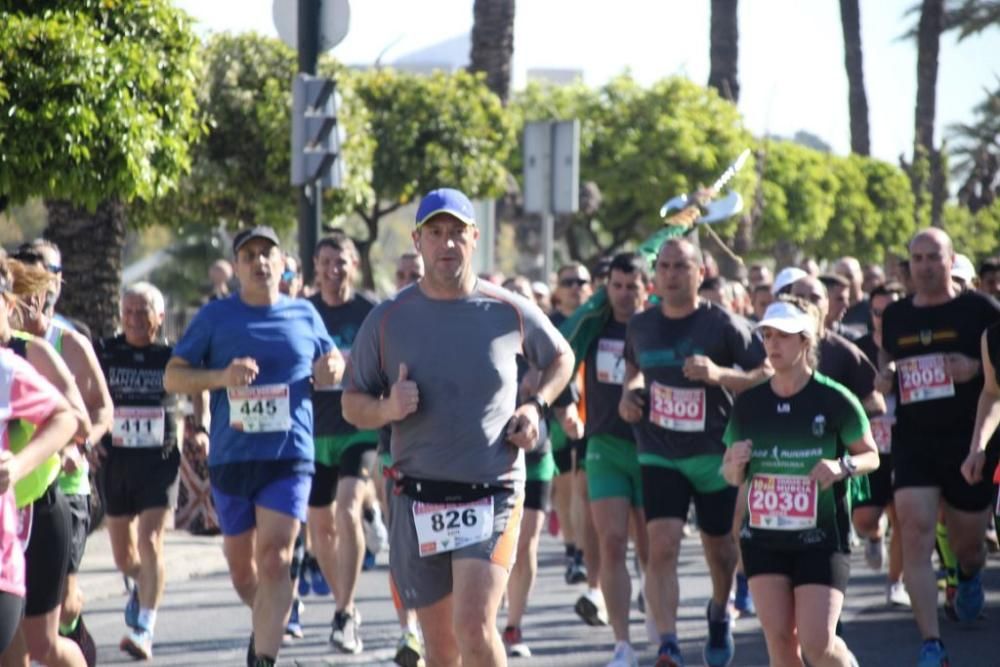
x=782 y=502
x=443 y=527
x=924 y=378
x=260 y=409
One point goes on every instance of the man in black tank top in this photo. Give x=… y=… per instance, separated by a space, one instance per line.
x=141 y=459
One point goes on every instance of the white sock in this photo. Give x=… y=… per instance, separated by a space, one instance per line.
x=147 y=619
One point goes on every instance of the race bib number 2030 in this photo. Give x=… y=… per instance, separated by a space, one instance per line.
x=782 y=502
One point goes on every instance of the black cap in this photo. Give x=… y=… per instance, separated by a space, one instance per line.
x=259 y=232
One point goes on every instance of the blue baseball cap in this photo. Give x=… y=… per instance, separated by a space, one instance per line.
x=445 y=200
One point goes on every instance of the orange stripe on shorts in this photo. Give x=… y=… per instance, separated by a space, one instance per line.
x=506 y=547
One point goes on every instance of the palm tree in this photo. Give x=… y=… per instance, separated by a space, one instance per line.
x=493 y=43
x=724 y=50
x=929 y=31
x=857 y=100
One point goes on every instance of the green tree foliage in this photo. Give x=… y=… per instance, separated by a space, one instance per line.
x=241 y=169
x=97 y=99
x=97 y=107
x=975 y=234
x=430 y=131
x=641 y=146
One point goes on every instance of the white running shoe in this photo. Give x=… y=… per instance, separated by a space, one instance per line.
x=376 y=536
x=624 y=656
x=896 y=595
x=875 y=554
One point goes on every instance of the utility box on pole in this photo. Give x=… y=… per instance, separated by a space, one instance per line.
x=551 y=176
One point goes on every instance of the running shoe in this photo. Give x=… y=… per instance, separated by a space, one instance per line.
x=590 y=608
x=742 y=600
x=345 y=636
x=316 y=579
x=368 y=562
x=293 y=630
x=969 y=598
x=376 y=536
x=669 y=655
x=719 y=647
x=932 y=654
x=132 y=606
x=82 y=638
x=576 y=572
x=897 y=596
x=513 y=640
x=138 y=643
x=409 y=651
x=875 y=554
x=624 y=656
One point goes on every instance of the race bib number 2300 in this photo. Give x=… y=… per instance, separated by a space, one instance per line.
x=443 y=527
x=677 y=409
x=260 y=409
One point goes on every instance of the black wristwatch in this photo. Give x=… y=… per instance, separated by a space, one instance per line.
x=848 y=464
x=539 y=403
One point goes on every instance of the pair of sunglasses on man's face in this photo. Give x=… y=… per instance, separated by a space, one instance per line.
x=573 y=282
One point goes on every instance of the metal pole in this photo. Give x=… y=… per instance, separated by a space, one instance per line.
x=311 y=194
x=548 y=220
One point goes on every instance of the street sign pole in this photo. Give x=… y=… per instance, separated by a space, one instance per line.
x=551 y=177
x=311 y=194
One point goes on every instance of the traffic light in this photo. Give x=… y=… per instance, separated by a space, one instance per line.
x=316 y=134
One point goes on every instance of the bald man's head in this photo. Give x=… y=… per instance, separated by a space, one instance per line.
x=931 y=259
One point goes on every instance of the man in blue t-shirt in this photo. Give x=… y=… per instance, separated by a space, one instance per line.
x=258 y=352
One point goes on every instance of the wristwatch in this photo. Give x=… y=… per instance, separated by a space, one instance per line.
x=540 y=403
x=848 y=464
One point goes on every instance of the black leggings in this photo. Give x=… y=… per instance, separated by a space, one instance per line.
x=11 y=608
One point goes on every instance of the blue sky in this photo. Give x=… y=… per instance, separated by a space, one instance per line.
x=791 y=53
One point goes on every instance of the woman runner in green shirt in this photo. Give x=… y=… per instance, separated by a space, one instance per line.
x=795 y=440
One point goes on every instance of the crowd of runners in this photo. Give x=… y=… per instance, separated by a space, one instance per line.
x=783 y=417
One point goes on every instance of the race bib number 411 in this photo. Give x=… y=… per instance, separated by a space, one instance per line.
x=782 y=502
x=138 y=427
x=924 y=378
x=443 y=527
x=677 y=409
x=260 y=409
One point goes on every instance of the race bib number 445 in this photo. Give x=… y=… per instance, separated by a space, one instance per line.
x=782 y=502
x=260 y=409
x=443 y=527
x=677 y=409
x=924 y=378
x=138 y=427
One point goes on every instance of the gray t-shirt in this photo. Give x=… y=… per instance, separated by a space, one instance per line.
x=682 y=417
x=462 y=353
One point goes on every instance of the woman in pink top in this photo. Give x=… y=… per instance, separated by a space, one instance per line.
x=24 y=394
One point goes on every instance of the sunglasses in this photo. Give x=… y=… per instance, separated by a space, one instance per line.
x=573 y=282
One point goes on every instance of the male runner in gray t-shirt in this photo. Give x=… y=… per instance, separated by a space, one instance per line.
x=438 y=362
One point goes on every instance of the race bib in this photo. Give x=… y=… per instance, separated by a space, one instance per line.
x=782 y=502
x=260 y=409
x=677 y=409
x=443 y=527
x=923 y=379
x=882 y=432
x=611 y=361
x=340 y=385
x=24 y=521
x=138 y=427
